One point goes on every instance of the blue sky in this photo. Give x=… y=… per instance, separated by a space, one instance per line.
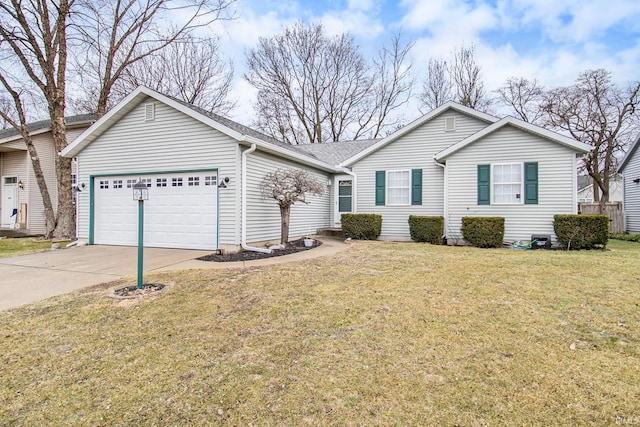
x=549 y=40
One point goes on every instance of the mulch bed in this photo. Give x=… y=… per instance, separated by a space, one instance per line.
x=148 y=289
x=291 y=248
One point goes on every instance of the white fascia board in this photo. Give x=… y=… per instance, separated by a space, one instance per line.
x=629 y=154
x=547 y=134
x=283 y=152
x=19 y=136
x=89 y=135
x=417 y=123
x=43 y=130
x=128 y=103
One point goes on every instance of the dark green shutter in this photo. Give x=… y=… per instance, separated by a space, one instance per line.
x=484 y=184
x=380 y=187
x=531 y=183
x=416 y=186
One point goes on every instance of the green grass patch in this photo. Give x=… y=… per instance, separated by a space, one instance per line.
x=625 y=236
x=381 y=334
x=24 y=245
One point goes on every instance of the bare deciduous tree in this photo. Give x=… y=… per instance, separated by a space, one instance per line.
x=314 y=88
x=436 y=88
x=465 y=73
x=459 y=80
x=191 y=70
x=597 y=112
x=117 y=34
x=524 y=97
x=33 y=40
x=392 y=87
x=109 y=36
x=287 y=187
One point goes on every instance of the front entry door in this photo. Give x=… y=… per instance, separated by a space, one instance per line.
x=9 y=201
x=343 y=197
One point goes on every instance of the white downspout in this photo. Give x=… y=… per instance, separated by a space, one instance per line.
x=444 y=195
x=243 y=217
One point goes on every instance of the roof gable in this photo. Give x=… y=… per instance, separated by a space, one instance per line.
x=240 y=133
x=629 y=155
x=419 y=122
x=571 y=143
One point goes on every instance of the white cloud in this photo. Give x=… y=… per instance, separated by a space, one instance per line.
x=562 y=37
x=448 y=18
x=570 y=20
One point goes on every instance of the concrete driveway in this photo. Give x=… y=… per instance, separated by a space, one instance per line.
x=30 y=278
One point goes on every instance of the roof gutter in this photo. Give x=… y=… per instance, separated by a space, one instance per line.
x=243 y=217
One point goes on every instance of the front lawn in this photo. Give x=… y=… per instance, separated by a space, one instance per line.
x=24 y=245
x=382 y=334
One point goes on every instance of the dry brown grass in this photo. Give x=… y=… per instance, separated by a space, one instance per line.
x=25 y=245
x=382 y=334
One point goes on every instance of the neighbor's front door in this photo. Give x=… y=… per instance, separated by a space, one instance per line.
x=9 y=200
x=343 y=196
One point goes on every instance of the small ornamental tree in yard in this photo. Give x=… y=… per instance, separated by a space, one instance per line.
x=288 y=186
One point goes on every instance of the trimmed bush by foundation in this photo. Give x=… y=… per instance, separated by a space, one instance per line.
x=582 y=231
x=482 y=231
x=426 y=229
x=361 y=226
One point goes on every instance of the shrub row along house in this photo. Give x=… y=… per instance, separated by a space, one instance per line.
x=204 y=171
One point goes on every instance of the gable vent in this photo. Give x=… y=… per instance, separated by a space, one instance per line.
x=449 y=124
x=149 y=112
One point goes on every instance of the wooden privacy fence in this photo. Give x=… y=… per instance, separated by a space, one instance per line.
x=613 y=210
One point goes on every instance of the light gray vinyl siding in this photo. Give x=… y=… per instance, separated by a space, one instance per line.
x=263 y=216
x=556 y=182
x=412 y=151
x=15 y=164
x=632 y=193
x=171 y=142
x=35 y=209
x=21 y=166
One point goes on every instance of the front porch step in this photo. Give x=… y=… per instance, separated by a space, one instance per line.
x=331 y=232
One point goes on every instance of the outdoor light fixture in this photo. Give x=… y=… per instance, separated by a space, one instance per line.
x=637 y=180
x=223 y=182
x=140 y=193
x=21 y=184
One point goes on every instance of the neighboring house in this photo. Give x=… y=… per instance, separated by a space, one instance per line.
x=204 y=171
x=21 y=205
x=630 y=171
x=585 y=189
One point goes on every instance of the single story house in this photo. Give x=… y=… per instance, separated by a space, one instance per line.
x=630 y=171
x=21 y=205
x=204 y=172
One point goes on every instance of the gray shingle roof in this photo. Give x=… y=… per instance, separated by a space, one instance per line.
x=244 y=130
x=332 y=153
x=46 y=124
x=335 y=153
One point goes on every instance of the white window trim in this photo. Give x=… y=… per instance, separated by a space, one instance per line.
x=493 y=183
x=386 y=189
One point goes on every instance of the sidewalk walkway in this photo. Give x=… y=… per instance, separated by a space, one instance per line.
x=29 y=278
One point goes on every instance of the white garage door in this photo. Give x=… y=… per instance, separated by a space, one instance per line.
x=181 y=211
